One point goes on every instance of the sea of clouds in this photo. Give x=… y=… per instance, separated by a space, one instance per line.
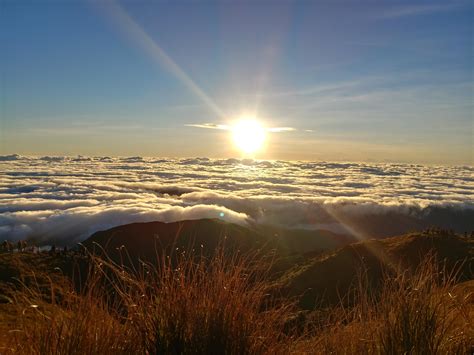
x=69 y=198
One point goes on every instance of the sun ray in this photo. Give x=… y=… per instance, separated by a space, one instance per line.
x=140 y=37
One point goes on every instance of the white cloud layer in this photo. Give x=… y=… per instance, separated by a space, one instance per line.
x=66 y=198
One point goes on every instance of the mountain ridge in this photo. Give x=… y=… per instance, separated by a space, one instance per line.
x=141 y=238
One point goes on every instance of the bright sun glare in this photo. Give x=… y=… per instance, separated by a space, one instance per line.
x=249 y=135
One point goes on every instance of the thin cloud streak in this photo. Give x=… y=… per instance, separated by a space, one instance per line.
x=415 y=10
x=208 y=126
x=227 y=127
x=281 y=129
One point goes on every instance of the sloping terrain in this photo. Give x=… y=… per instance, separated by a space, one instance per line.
x=326 y=278
x=319 y=276
x=318 y=279
x=31 y=269
x=144 y=240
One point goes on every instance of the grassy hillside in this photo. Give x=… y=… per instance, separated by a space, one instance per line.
x=325 y=278
x=403 y=298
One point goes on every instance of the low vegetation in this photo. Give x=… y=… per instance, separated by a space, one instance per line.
x=413 y=312
x=180 y=305
x=183 y=304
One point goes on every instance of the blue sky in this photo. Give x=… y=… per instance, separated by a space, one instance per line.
x=363 y=81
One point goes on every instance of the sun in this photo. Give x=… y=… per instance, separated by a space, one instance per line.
x=248 y=135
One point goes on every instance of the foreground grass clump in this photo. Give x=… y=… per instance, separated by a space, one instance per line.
x=197 y=305
x=52 y=318
x=414 y=312
x=82 y=327
x=180 y=305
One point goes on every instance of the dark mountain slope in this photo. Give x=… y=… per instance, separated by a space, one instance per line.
x=324 y=278
x=143 y=240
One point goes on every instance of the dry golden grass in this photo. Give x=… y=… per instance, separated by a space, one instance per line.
x=220 y=304
x=414 y=312
x=203 y=305
x=181 y=305
x=52 y=318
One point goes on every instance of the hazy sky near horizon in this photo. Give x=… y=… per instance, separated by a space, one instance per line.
x=357 y=80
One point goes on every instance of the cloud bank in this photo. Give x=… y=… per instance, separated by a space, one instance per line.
x=69 y=198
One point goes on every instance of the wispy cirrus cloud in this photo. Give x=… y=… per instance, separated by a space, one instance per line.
x=208 y=126
x=281 y=129
x=414 y=10
x=228 y=127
